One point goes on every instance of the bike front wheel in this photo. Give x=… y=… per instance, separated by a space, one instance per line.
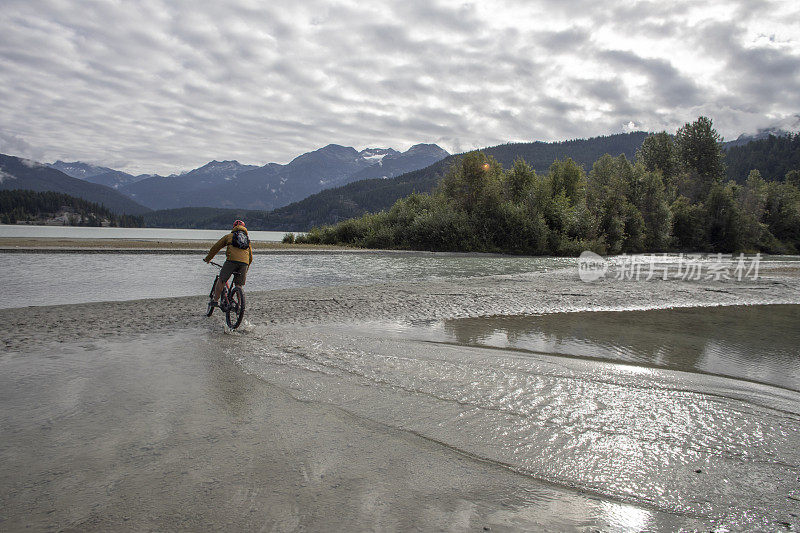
x=235 y=311
x=210 y=309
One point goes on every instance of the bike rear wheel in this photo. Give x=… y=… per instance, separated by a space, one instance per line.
x=235 y=311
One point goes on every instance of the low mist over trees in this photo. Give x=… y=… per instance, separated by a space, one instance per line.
x=672 y=196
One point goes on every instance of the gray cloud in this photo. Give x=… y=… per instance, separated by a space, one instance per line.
x=168 y=85
x=12 y=144
x=761 y=78
x=664 y=81
x=565 y=41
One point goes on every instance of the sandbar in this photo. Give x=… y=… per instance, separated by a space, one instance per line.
x=138 y=415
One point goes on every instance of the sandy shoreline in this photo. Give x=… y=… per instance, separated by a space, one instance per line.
x=137 y=415
x=525 y=294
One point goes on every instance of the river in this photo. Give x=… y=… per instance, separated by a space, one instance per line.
x=616 y=405
x=68 y=278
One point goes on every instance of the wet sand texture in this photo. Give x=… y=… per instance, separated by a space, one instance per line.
x=144 y=415
x=164 y=433
x=520 y=294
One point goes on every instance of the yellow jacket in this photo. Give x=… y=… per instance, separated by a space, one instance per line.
x=232 y=252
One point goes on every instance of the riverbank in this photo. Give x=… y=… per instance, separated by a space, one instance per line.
x=146 y=415
x=522 y=294
x=550 y=291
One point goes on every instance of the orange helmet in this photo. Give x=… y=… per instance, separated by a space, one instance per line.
x=239 y=223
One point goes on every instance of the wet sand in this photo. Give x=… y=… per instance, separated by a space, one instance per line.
x=164 y=433
x=555 y=291
x=144 y=415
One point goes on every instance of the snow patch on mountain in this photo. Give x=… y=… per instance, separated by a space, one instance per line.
x=374 y=156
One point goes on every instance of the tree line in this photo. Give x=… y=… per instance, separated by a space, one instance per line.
x=364 y=196
x=773 y=157
x=36 y=206
x=673 y=195
x=204 y=218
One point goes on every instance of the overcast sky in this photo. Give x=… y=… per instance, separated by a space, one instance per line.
x=163 y=86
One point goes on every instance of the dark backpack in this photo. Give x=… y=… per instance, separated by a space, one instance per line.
x=240 y=240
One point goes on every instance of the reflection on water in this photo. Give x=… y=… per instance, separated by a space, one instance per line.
x=550 y=404
x=758 y=343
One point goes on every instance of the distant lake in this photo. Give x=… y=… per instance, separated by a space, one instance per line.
x=147 y=234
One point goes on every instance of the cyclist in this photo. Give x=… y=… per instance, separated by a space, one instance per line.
x=238 y=256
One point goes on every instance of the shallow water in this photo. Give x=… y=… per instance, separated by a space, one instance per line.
x=66 y=278
x=163 y=433
x=758 y=343
x=550 y=397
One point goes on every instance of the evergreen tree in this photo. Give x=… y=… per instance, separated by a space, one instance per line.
x=773 y=157
x=793 y=176
x=724 y=219
x=658 y=153
x=654 y=209
x=520 y=181
x=700 y=155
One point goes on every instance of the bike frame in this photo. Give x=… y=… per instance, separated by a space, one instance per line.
x=231 y=301
x=228 y=285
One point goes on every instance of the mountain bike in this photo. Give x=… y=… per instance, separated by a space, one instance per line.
x=231 y=301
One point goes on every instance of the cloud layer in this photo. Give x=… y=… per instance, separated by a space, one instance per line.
x=164 y=85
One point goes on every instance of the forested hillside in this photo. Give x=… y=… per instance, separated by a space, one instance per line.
x=540 y=155
x=231 y=185
x=18 y=173
x=672 y=196
x=355 y=199
x=206 y=218
x=57 y=208
x=773 y=157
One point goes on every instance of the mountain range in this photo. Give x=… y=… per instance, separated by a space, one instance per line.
x=19 y=173
x=327 y=185
x=772 y=155
x=371 y=195
x=95 y=174
x=779 y=129
x=218 y=184
x=231 y=184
